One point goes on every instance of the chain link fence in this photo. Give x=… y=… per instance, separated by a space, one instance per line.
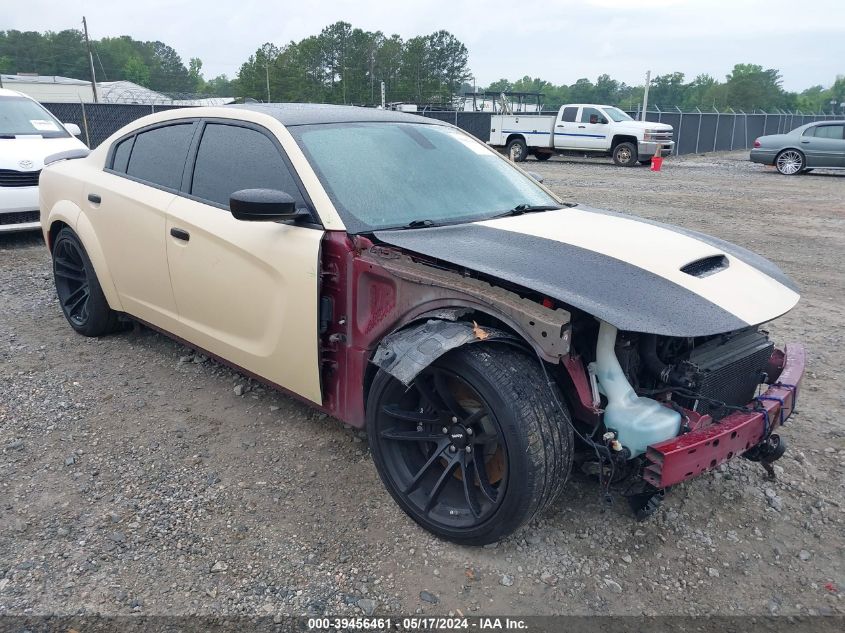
x=699 y=132
x=695 y=132
x=98 y=121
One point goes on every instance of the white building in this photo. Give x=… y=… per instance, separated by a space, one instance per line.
x=50 y=89
x=54 y=89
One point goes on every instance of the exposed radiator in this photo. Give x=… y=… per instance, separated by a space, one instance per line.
x=728 y=371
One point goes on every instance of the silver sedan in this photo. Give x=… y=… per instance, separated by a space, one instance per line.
x=815 y=145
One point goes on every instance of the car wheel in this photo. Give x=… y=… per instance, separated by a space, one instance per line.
x=80 y=295
x=517 y=150
x=625 y=154
x=790 y=162
x=475 y=446
x=542 y=156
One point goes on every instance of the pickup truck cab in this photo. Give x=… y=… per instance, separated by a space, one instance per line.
x=581 y=128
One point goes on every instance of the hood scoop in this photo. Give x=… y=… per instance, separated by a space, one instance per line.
x=706 y=266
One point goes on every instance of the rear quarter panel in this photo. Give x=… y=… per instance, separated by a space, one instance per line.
x=61 y=189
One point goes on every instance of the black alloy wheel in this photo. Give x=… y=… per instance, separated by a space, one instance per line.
x=71 y=281
x=79 y=292
x=474 y=447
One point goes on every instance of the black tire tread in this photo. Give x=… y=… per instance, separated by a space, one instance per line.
x=635 y=154
x=101 y=318
x=544 y=428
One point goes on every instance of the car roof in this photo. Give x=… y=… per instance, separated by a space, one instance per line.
x=289 y=114
x=807 y=126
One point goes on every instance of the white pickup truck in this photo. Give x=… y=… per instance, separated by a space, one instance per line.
x=581 y=128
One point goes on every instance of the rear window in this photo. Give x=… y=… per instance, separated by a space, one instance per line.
x=159 y=155
x=569 y=114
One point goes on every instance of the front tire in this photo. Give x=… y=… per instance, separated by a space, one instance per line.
x=517 y=150
x=625 y=154
x=475 y=447
x=80 y=295
x=790 y=162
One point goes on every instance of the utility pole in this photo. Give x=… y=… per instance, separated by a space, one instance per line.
x=90 y=59
x=382 y=95
x=267 y=74
x=645 y=94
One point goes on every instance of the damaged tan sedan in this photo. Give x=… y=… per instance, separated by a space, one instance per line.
x=401 y=276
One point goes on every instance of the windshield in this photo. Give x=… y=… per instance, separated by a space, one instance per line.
x=23 y=117
x=617 y=115
x=387 y=175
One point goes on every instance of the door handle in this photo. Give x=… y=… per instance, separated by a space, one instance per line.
x=805 y=142
x=581 y=127
x=95 y=198
x=560 y=125
x=180 y=234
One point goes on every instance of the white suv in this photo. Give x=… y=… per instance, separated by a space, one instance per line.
x=28 y=135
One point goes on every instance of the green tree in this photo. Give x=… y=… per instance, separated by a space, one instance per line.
x=606 y=90
x=667 y=90
x=195 y=74
x=136 y=71
x=582 y=91
x=502 y=85
x=749 y=86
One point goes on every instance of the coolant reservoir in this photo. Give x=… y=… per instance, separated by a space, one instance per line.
x=637 y=421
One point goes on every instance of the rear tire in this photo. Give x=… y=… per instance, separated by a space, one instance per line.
x=80 y=295
x=488 y=398
x=517 y=150
x=625 y=154
x=790 y=162
x=542 y=156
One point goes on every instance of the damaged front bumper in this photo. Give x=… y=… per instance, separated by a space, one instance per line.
x=689 y=455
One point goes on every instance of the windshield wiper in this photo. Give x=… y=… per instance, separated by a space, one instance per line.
x=419 y=224
x=521 y=209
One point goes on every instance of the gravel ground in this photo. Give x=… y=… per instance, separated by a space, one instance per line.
x=134 y=479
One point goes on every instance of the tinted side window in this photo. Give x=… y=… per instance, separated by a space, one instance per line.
x=158 y=155
x=231 y=158
x=569 y=114
x=121 y=155
x=810 y=131
x=829 y=131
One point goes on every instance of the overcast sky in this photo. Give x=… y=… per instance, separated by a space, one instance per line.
x=557 y=40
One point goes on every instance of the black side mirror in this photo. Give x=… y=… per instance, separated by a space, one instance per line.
x=267 y=205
